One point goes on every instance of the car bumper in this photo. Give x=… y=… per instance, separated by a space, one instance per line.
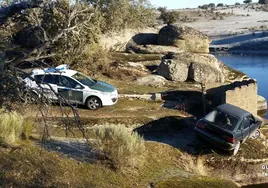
x=109 y=101
x=213 y=140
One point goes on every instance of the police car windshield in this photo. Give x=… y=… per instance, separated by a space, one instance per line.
x=84 y=79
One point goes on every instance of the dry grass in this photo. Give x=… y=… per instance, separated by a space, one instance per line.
x=28 y=127
x=11 y=127
x=125 y=150
x=33 y=166
x=194 y=182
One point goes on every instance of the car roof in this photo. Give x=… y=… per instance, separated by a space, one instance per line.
x=52 y=71
x=233 y=110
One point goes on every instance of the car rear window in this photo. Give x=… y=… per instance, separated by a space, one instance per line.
x=222 y=119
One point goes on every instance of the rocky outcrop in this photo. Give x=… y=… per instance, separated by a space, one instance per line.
x=184 y=38
x=262 y=103
x=153 y=49
x=188 y=66
x=118 y=41
x=151 y=80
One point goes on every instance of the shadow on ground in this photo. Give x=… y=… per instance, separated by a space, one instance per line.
x=186 y=101
x=76 y=149
x=177 y=132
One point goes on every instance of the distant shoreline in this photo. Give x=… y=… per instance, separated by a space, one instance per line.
x=240 y=52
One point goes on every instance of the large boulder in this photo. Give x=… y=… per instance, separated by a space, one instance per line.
x=185 y=38
x=175 y=69
x=189 y=66
x=151 y=80
x=262 y=103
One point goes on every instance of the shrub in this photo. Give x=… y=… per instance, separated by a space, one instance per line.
x=120 y=146
x=248 y=1
x=94 y=60
x=204 y=7
x=28 y=126
x=169 y=17
x=211 y=5
x=220 y=5
x=263 y=1
x=11 y=127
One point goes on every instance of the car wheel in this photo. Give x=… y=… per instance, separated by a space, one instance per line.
x=236 y=149
x=30 y=97
x=93 y=103
x=256 y=134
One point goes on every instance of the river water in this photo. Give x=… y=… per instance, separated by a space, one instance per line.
x=255 y=66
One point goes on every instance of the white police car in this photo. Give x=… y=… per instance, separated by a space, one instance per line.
x=74 y=86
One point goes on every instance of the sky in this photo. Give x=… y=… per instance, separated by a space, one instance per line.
x=174 y=4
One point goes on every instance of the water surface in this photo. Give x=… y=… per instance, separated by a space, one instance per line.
x=255 y=66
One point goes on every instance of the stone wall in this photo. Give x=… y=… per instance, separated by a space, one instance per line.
x=242 y=94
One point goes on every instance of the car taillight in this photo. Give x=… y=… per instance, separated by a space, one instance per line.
x=229 y=139
x=200 y=125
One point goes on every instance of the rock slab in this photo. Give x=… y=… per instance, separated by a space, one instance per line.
x=185 y=38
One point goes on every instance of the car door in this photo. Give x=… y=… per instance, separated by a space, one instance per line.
x=246 y=130
x=48 y=85
x=70 y=89
x=239 y=133
x=253 y=124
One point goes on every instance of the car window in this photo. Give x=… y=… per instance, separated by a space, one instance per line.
x=246 y=122
x=84 y=79
x=65 y=81
x=222 y=119
x=240 y=127
x=251 y=119
x=47 y=79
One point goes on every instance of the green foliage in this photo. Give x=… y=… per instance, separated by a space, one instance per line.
x=124 y=149
x=93 y=60
x=247 y=1
x=220 y=5
x=121 y=14
x=211 y=5
x=8 y=85
x=64 y=28
x=237 y=3
x=168 y=17
x=11 y=127
x=263 y=1
x=203 y=7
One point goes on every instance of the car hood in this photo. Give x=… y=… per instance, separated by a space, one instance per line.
x=102 y=86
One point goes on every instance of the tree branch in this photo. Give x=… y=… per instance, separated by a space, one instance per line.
x=13 y=9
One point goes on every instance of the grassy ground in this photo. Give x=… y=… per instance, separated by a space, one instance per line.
x=33 y=166
x=131 y=113
x=195 y=182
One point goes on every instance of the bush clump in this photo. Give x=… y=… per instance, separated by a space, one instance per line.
x=93 y=60
x=168 y=17
x=123 y=149
x=11 y=127
x=263 y=1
